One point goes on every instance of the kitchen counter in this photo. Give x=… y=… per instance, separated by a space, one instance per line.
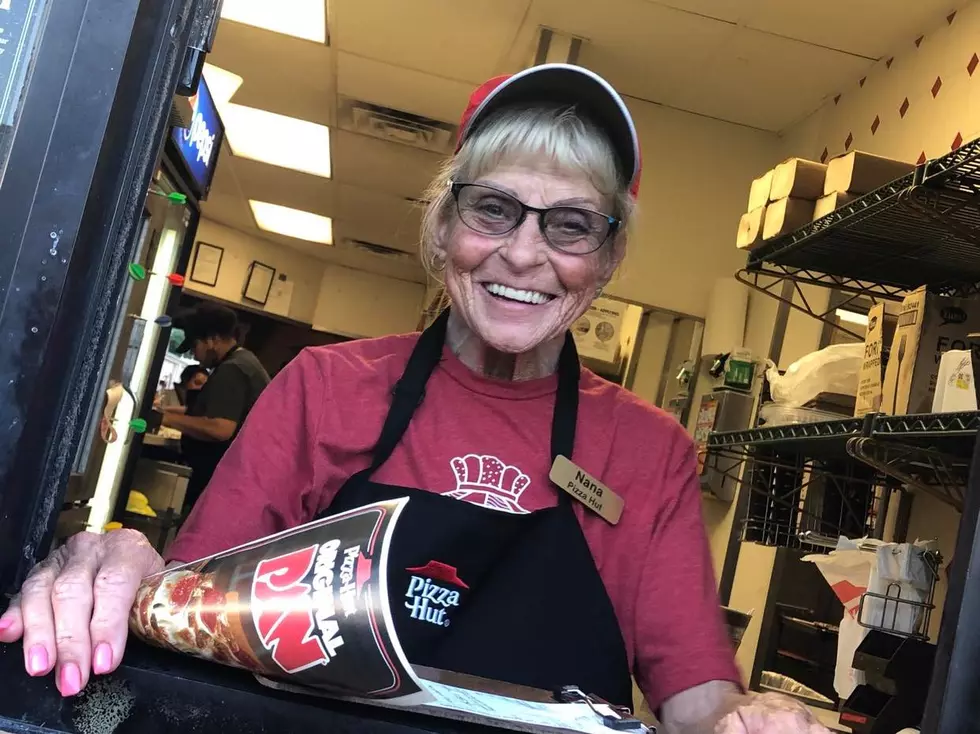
x=157 y=692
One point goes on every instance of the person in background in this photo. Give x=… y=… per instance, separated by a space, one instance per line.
x=192 y=380
x=212 y=416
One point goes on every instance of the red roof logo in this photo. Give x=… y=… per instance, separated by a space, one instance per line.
x=438 y=571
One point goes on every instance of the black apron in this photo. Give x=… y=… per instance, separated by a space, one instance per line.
x=516 y=598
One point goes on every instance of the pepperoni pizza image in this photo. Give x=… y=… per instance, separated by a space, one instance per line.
x=307 y=606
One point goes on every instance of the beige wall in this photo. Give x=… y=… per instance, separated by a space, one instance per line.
x=930 y=124
x=360 y=304
x=694 y=189
x=653 y=351
x=240 y=250
x=328 y=297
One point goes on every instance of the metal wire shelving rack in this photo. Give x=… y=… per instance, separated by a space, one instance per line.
x=929 y=453
x=921 y=229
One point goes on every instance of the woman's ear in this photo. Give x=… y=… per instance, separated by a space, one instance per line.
x=439 y=247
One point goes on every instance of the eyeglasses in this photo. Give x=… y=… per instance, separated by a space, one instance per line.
x=569 y=229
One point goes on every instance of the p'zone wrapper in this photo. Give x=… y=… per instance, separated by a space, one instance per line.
x=308 y=605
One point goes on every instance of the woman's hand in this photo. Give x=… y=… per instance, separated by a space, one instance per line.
x=770 y=713
x=73 y=608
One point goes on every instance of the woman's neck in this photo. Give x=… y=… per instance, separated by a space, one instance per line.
x=485 y=360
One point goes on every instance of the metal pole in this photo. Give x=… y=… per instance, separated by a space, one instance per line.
x=954 y=693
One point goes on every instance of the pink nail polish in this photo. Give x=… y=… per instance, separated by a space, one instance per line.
x=5 y=625
x=70 y=680
x=102 y=659
x=37 y=660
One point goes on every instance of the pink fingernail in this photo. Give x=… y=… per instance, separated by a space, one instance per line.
x=37 y=660
x=5 y=624
x=70 y=680
x=102 y=660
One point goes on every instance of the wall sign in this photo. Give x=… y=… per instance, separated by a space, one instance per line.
x=199 y=144
x=258 y=282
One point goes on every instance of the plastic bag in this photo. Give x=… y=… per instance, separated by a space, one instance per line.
x=830 y=370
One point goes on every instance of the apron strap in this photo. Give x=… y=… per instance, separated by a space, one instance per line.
x=409 y=392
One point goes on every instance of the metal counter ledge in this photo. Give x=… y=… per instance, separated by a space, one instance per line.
x=158 y=691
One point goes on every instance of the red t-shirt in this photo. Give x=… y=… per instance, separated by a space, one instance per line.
x=487 y=441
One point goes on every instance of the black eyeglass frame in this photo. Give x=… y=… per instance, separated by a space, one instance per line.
x=614 y=222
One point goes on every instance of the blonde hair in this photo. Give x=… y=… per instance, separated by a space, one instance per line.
x=554 y=134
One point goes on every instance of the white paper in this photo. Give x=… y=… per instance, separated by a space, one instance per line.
x=461 y=704
x=207 y=261
x=280 y=297
x=955 y=387
x=519 y=715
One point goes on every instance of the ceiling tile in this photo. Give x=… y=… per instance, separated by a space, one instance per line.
x=757 y=79
x=397 y=169
x=403 y=89
x=459 y=40
x=644 y=49
x=870 y=28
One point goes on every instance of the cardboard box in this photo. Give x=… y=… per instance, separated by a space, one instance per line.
x=827 y=204
x=859 y=173
x=799 y=179
x=786 y=215
x=868 y=398
x=759 y=193
x=928 y=326
x=750 y=229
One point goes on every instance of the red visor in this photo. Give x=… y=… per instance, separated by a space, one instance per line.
x=564 y=84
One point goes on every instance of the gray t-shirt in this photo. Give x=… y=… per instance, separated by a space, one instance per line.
x=232 y=388
x=229 y=393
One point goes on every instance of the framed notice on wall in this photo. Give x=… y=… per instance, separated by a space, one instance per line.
x=258 y=282
x=207 y=263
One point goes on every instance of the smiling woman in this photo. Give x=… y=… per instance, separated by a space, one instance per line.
x=474 y=421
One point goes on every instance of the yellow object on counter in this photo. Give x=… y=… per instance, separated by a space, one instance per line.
x=139 y=504
x=109 y=526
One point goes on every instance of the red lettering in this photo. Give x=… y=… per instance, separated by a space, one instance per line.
x=283 y=614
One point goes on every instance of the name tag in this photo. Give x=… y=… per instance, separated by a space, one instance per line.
x=587 y=489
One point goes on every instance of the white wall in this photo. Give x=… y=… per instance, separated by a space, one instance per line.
x=240 y=250
x=360 y=304
x=694 y=189
x=328 y=297
x=653 y=352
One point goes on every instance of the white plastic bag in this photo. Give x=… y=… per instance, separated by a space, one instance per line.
x=830 y=370
x=892 y=569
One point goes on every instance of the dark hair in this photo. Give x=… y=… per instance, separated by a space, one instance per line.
x=206 y=320
x=189 y=373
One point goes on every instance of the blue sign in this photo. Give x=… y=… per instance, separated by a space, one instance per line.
x=199 y=144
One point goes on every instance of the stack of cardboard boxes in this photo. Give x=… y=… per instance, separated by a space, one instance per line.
x=927 y=326
x=799 y=191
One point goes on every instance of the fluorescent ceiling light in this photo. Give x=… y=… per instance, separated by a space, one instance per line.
x=222 y=84
x=852 y=317
x=278 y=140
x=300 y=18
x=292 y=222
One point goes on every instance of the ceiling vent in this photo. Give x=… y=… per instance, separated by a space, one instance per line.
x=396 y=126
x=376 y=249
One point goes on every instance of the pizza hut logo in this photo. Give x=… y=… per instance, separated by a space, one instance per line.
x=294 y=607
x=433 y=590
